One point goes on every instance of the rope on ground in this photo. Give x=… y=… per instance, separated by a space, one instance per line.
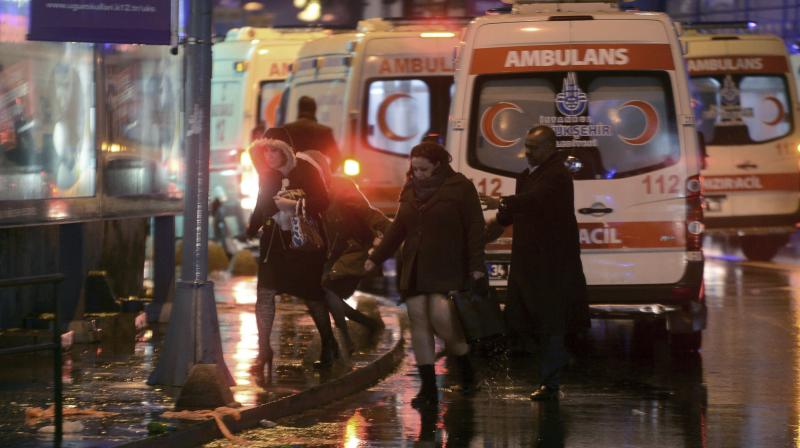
x=33 y=414
x=217 y=414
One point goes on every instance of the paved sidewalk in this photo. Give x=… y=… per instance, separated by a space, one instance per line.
x=110 y=376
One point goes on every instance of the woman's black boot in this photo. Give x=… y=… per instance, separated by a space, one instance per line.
x=467 y=374
x=428 y=394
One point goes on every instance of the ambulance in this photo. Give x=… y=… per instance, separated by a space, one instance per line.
x=382 y=89
x=746 y=104
x=613 y=86
x=249 y=70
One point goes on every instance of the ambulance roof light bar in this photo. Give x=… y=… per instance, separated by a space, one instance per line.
x=561 y=6
x=528 y=2
x=699 y=27
x=410 y=23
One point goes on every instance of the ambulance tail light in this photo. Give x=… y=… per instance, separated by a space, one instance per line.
x=693 y=293
x=248 y=184
x=351 y=167
x=694 y=214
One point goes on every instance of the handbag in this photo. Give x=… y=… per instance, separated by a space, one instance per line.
x=479 y=313
x=306 y=234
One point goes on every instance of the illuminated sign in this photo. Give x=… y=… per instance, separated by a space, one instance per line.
x=106 y=21
x=572 y=57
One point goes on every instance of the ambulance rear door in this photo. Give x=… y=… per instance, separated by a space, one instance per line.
x=324 y=72
x=620 y=110
x=745 y=106
x=404 y=96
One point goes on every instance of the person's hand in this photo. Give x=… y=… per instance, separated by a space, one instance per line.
x=369 y=265
x=285 y=205
x=489 y=202
x=493 y=230
x=378 y=239
x=480 y=285
x=478 y=274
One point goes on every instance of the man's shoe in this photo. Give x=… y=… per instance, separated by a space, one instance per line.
x=545 y=393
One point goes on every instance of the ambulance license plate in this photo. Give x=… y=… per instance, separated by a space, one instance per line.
x=498 y=271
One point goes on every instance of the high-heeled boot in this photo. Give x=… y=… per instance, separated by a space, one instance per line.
x=264 y=358
x=467 y=374
x=428 y=394
x=329 y=348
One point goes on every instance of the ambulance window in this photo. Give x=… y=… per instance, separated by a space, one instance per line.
x=398 y=114
x=742 y=109
x=618 y=125
x=269 y=100
x=508 y=106
x=329 y=96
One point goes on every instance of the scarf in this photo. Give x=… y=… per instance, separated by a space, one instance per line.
x=424 y=189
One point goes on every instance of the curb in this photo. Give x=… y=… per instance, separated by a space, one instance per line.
x=314 y=397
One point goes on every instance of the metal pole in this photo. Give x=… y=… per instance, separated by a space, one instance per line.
x=193 y=336
x=58 y=418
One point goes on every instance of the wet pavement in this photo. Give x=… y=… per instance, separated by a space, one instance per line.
x=110 y=376
x=624 y=388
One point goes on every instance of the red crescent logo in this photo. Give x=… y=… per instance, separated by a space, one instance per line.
x=651 y=122
x=271 y=109
x=781 y=112
x=487 y=124
x=384 y=126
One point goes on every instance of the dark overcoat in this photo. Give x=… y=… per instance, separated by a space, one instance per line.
x=546 y=286
x=351 y=225
x=307 y=134
x=298 y=273
x=442 y=238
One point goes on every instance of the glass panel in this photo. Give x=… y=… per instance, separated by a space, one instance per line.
x=398 y=114
x=269 y=101
x=226 y=114
x=767 y=97
x=499 y=142
x=143 y=155
x=329 y=96
x=619 y=125
x=741 y=110
x=47 y=133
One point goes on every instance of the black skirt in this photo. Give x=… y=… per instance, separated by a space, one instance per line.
x=289 y=271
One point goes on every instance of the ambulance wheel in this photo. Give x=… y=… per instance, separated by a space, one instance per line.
x=686 y=342
x=762 y=247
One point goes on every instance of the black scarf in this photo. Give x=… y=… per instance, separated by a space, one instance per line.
x=424 y=189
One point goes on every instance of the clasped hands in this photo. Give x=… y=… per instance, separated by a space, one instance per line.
x=286 y=200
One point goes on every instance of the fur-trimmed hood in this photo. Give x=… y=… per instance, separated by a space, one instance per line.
x=265 y=144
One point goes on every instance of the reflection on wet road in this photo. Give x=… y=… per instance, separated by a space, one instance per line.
x=623 y=389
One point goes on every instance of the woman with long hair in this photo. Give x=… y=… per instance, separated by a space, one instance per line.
x=440 y=225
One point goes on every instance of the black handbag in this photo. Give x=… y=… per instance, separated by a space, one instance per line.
x=479 y=313
x=306 y=234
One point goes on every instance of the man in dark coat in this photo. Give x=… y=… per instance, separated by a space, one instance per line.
x=546 y=287
x=307 y=134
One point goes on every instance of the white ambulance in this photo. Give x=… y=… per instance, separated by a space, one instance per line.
x=382 y=89
x=746 y=109
x=249 y=70
x=613 y=86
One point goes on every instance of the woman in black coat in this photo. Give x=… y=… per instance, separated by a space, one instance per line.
x=282 y=270
x=440 y=224
x=352 y=226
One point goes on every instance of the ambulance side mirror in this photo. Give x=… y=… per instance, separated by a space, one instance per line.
x=701 y=147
